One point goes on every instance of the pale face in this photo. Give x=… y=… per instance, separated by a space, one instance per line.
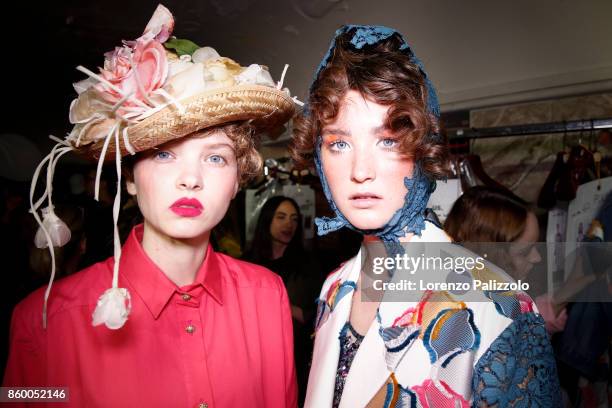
x=523 y=253
x=284 y=223
x=363 y=166
x=184 y=188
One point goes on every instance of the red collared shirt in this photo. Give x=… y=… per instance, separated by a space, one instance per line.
x=224 y=341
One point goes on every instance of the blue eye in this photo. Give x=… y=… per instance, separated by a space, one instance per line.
x=163 y=155
x=389 y=143
x=339 y=145
x=216 y=159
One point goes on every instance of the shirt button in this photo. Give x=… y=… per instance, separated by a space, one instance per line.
x=186 y=296
x=203 y=405
x=190 y=329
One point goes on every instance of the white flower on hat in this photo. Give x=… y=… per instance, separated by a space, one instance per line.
x=257 y=75
x=204 y=54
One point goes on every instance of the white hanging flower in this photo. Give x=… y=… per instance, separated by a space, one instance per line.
x=113 y=308
x=57 y=229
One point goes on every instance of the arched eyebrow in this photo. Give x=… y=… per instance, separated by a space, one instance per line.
x=221 y=146
x=379 y=129
x=335 y=131
x=342 y=132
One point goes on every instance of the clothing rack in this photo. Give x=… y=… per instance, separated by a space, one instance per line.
x=534 y=129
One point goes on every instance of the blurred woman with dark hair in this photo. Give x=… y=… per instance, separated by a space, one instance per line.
x=278 y=245
x=278 y=231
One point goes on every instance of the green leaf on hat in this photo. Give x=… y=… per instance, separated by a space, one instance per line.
x=182 y=47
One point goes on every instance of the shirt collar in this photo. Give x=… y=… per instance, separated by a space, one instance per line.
x=153 y=286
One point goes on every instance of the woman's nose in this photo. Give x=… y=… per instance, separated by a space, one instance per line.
x=190 y=178
x=534 y=256
x=362 y=166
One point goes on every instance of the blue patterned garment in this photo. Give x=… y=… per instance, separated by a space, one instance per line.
x=518 y=369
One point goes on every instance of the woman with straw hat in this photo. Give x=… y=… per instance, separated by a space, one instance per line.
x=180 y=325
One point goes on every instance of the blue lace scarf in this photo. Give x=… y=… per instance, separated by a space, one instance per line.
x=410 y=218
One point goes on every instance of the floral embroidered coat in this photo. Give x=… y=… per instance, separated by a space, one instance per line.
x=439 y=352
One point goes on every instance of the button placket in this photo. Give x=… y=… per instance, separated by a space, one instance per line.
x=191 y=329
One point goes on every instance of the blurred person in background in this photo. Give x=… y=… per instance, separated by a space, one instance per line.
x=279 y=246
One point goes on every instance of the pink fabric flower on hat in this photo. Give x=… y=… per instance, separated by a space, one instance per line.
x=134 y=71
x=138 y=67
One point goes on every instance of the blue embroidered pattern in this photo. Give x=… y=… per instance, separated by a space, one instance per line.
x=518 y=369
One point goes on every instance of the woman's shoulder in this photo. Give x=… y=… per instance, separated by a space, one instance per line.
x=79 y=289
x=246 y=274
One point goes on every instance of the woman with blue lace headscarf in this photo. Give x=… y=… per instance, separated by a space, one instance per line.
x=371 y=126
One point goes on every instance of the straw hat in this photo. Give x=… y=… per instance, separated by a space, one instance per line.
x=150 y=95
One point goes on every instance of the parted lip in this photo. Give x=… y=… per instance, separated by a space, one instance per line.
x=364 y=196
x=187 y=202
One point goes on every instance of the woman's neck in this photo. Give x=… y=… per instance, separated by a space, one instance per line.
x=373 y=238
x=278 y=249
x=179 y=260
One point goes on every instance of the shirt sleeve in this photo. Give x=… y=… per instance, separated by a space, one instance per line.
x=290 y=375
x=27 y=361
x=518 y=369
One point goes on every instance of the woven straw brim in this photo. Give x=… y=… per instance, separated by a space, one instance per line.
x=265 y=107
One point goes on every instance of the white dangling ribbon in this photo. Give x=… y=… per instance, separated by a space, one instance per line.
x=114 y=306
x=101 y=160
x=126 y=142
x=279 y=85
x=50 y=219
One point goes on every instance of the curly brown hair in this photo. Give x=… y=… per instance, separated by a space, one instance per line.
x=244 y=138
x=387 y=76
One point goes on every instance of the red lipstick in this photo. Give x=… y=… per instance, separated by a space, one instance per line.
x=187 y=207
